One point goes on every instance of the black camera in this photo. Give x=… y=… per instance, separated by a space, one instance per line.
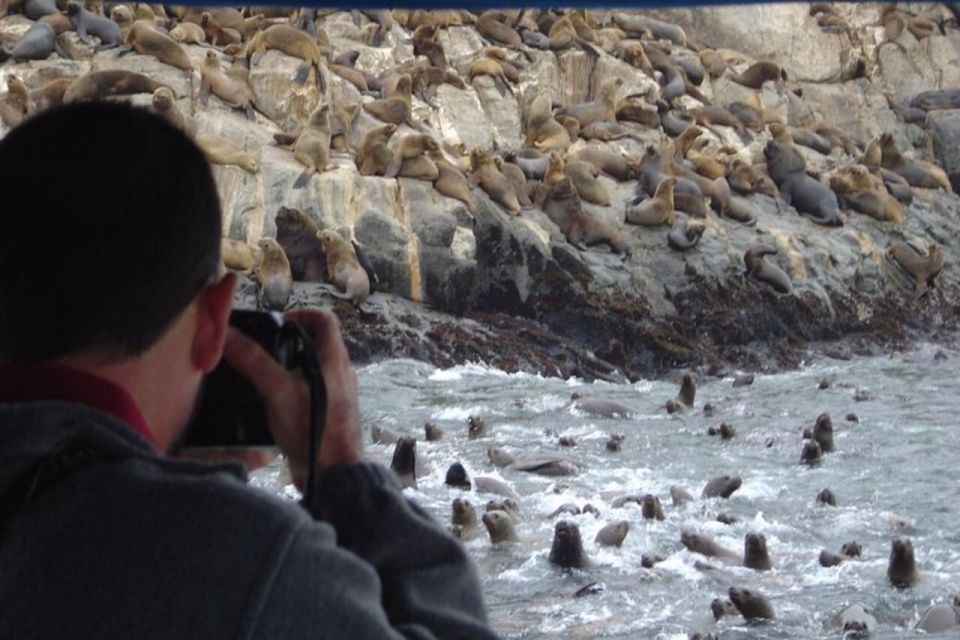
x=230 y=411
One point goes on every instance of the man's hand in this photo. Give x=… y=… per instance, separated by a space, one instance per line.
x=287 y=396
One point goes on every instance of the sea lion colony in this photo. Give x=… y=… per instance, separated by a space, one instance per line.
x=699 y=175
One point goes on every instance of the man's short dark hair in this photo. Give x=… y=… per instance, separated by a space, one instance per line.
x=109 y=226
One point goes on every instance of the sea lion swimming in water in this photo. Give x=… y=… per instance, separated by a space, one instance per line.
x=705 y=546
x=500 y=526
x=599 y=407
x=404 y=462
x=755 y=555
x=940 y=617
x=567 y=549
x=902 y=568
x=750 y=604
x=721 y=487
x=612 y=535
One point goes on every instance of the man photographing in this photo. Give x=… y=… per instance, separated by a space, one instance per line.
x=111 y=313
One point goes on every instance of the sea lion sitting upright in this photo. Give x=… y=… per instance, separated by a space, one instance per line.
x=759 y=269
x=902 y=569
x=84 y=22
x=15 y=102
x=343 y=267
x=688 y=390
x=312 y=148
x=562 y=205
x=404 y=462
x=584 y=176
x=164 y=102
x=451 y=182
x=924 y=270
x=567 y=549
x=823 y=432
x=655 y=211
x=751 y=604
x=486 y=175
x=273 y=274
x=374 y=157
x=755 y=555
x=808 y=196
x=811 y=453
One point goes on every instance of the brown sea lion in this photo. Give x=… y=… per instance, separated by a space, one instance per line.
x=432 y=433
x=115 y=82
x=567 y=549
x=713 y=62
x=759 y=269
x=755 y=555
x=312 y=147
x=543 y=132
x=601 y=110
x=517 y=179
x=426 y=44
x=452 y=183
x=923 y=269
x=655 y=211
x=219 y=150
x=610 y=162
x=688 y=390
x=464 y=518
x=145 y=39
x=902 y=568
x=395 y=108
x=374 y=157
x=501 y=527
x=187 y=33
x=756 y=74
x=291 y=41
x=240 y=256
x=491 y=180
x=730 y=205
x=50 y=94
x=404 y=462
x=823 y=432
x=826 y=497
x=164 y=102
x=917 y=172
x=15 y=102
x=721 y=608
x=343 y=268
x=216 y=34
x=273 y=274
x=297 y=234
x=612 y=535
x=651 y=507
x=492 y=62
x=705 y=546
x=476 y=428
x=751 y=604
x=490 y=26
x=235 y=91
x=562 y=205
x=721 y=487
x=811 y=454
x=865 y=193
x=584 y=177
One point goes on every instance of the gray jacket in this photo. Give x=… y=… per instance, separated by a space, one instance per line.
x=138 y=545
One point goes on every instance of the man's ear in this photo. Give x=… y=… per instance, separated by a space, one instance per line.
x=214 y=303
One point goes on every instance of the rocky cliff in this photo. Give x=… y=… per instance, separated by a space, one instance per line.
x=457 y=285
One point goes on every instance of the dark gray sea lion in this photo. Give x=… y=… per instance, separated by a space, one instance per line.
x=458 y=477
x=652 y=509
x=680 y=496
x=649 y=560
x=725 y=431
x=476 y=428
x=297 y=234
x=902 y=569
x=688 y=390
x=755 y=555
x=917 y=172
x=685 y=236
x=701 y=635
x=721 y=608
x=808 y=196
x=36 y=9
x=501 y=527
x=432 y=432
x=934 y=100
x=500 y=457
x=751 y=604
x=567 y=549
x=600 y=407
x=744 y=380
x=756 y=74
x=721 y=487
x=826 y=497
x=829 y=559
x=568 y=508
x=823 y=432
x=811 y=453
x=84 y=22
x=726 y=518
x=612 y=535
x=367 y=266
x=851 y=549
x=762 y=271
x=703 y=545
x=36 y=44
x=404 y=462
x=940 y=617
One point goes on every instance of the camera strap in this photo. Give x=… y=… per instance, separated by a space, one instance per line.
x=318 y=402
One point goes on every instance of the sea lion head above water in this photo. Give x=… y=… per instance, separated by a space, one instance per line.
x=750 y=604
x=902 y=569
x=457 y=476
x=567 y=548
x=500 y=526
x=755 y=555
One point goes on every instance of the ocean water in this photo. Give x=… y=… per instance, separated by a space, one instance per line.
x=895 y=472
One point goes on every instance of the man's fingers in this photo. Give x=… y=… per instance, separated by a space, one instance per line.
x=256 y=365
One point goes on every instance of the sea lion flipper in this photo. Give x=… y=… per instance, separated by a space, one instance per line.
x=303 y=72
x=250 y=111
x=303 y=178
x=124 y=51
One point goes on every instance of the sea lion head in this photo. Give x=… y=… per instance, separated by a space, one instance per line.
x=162 y=99
x=651 y=507
x=476 y=427
x=121 y=14
x=755 y=543
x=205 y=19
x=499 y=525
x=463 y=512
x=567 y=548
x=321 y=115
x=73 y=8
x=211 y=59
x=688 y=389
x=812 y=453
x=851 y=549
x=457 y=476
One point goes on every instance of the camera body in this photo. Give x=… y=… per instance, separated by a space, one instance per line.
x=230 y=412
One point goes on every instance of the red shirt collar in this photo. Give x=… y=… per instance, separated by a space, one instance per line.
x=35 y=383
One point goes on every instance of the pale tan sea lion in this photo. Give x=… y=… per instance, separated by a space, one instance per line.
x=240 y=256
x=490 y=179
x=100 y=84
x=654 y=211
x=452 y=183
x=165 y=103
x=923 y=269
x=290 y=41
x=584 y=176
x=501 y=527
x=312 y=147
x=612 y=535
x=147 y=40
x=235 y=91
x=219 y=150
x=273 y=274
x=374 y=157
x=343 y=267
